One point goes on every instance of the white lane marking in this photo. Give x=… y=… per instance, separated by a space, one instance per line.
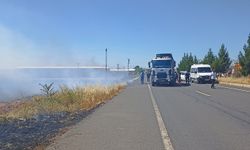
x=235 y=89
x=132 y=80
x=202 y=93
x=164 y=134
x=135 y=78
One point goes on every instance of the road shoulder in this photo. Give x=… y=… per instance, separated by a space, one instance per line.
x=126 y=122
x=235 y=85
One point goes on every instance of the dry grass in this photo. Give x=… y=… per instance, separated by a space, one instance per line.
x=65 y=100
x=40 y=147
x=239 y=80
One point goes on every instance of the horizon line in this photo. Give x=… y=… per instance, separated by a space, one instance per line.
x=48 y=67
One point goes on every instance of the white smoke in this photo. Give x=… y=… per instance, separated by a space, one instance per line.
x=20 y=83
x=17 y=50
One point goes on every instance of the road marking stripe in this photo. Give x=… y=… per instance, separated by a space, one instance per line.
x=132 y=80
x=164 y=134
x=235 y=89
x=202 y=93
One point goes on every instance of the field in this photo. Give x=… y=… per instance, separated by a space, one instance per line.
x=64 y=100
x=34 y=123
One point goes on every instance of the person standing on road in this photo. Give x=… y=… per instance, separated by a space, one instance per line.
x=179 y=77
x=213 y=77
x=142 y=77
x=187 y=76
x=148 y=75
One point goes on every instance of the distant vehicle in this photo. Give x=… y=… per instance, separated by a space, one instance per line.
x=162 y=69
x=200 y=73
x=183 y=73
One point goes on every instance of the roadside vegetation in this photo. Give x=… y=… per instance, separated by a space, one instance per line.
x=238 y=80
x=64 y=100
x=237 y=71
x=220 y=63
x=138 y=69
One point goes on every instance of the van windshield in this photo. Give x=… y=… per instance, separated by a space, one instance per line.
x=204 y=69
x=161 y=63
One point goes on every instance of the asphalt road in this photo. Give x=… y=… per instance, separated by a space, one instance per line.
x=200 y=118
x=196 y=117
x=127 y=122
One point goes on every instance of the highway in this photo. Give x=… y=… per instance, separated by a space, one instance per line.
x=200 y=118
x=195 y=117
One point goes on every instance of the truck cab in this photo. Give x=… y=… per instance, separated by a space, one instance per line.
x=162 y=69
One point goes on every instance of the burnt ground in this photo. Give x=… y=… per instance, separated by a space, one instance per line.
x=39 y=130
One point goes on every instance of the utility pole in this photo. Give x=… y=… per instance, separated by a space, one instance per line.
x=118 y=67
x=128 y=64
x=78 y=65
x=106 y=59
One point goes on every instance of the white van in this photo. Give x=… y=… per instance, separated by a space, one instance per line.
x=200 y=73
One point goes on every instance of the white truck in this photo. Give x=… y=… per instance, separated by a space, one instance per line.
x=162 y=69
x=200 y=73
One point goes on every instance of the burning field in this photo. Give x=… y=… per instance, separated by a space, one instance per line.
x=30 y=123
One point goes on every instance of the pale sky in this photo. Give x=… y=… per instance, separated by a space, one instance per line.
x=67 y=32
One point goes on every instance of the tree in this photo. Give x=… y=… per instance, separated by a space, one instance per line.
x=138 y=69
x=186 y=62
x=216 y=65
x=224 y=60
x=244 y=58
x=209 y=58
x=195 y=60
x=183 y=63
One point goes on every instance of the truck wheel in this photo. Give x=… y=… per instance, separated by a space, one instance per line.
x=153 y=84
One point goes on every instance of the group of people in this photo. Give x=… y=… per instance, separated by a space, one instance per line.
x=187 y=77
x=148 y=74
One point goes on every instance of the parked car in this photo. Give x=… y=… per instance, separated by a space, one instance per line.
x=183 y=73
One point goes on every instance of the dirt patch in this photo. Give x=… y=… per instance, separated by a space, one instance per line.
x=8 y=106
